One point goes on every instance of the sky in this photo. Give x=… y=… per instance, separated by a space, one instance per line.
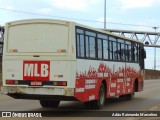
x=140 y=15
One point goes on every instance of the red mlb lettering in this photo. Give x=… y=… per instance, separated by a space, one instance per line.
x=36 y=70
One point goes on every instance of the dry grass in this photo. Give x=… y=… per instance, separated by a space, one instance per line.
x=152 y=74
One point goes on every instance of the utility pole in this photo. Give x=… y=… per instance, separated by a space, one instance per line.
x=104 y=14
x=155 y=28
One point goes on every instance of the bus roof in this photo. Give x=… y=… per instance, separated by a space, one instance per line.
x=106 y=32
x=71 y=22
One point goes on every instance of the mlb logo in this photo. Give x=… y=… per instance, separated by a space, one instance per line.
x=36 y=70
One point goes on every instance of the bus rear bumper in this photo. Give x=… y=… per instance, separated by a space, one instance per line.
x=36 y=91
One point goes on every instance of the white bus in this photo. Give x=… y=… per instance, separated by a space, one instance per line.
x=55 y=60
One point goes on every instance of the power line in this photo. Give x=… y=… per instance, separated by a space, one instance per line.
x=32 y=13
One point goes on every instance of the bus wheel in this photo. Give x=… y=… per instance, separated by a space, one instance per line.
x=98 y=104
x=48 y=103
x=127 y=97
x=89 y=104
x=131 y=96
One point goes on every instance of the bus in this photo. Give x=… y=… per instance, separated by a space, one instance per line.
x=56 y=60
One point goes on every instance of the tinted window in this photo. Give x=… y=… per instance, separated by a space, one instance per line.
x=92 y=47
x=80 y=45
x=87 y=47
x=128 y=51
x=100 y=48
x=90 y=33
x=105 y=49
x=110 y=50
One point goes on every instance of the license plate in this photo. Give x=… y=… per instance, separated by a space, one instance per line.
x=36 y=83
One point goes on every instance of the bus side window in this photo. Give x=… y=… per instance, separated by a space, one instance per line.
x=102 y=46
x=87 y=46
x=110 y=50
x=138 y=52
x=122 y=52
x=128 y=51
x=99 y=48
x=113 y=48
x=119 y=51
x=92 y=47
x=135 y=52
x=115 y=56
x=105 y=49
x=91 y=41
x=80 y=45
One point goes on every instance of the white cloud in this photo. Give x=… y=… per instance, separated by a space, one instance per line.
x=79 y=5
x=136 y=3
x=7 y=4
x=45 y=10
x=69 y=4
x=10 y=7
x=130 y=4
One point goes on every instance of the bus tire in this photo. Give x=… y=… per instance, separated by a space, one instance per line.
x=88 y=104
x=49 y=103
x=131 y=96
x=127 y=96
x=98 y=104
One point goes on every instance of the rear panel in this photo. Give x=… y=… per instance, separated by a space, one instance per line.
x=48 y=72
x=39 y=53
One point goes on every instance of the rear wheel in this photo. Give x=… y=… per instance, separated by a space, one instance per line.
x=129 y=96
x=97 y=104
x=89 y=105
x=49 y=103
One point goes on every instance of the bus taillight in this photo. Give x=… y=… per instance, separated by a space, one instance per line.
x=60 y=83
x=11 y=82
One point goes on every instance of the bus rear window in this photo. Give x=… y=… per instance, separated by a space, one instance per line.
x=38 y=38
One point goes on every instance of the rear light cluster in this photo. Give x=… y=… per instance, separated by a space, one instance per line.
x=60 y=83
x=12 y=82
x=36 y=83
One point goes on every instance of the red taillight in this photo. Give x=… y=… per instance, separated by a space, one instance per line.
x=11 y=82
x=60 y=83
